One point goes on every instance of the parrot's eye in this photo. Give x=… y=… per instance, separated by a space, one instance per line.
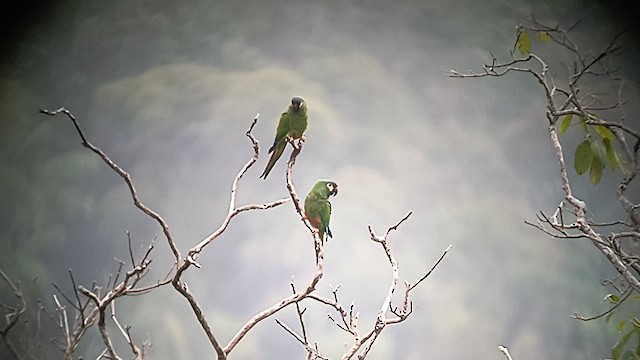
x=330 y=187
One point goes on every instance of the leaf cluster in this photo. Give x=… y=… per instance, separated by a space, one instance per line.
x=523 y=40
x=596 y=151
x=629 y=328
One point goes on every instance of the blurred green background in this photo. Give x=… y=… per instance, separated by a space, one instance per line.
x=168 y=89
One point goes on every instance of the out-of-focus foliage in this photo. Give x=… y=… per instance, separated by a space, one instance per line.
x=627 y=325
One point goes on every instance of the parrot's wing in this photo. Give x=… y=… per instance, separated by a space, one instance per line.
x=325 y=217
x=283 y=129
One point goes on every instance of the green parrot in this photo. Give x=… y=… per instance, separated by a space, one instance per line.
x=292 y=125
x=317 y=207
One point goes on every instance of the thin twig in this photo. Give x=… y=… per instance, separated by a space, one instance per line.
x=578 y=316
x=505 y=351
x=433 y=267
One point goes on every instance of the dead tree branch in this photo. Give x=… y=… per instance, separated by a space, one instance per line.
x=299 y=295
x=94 y=310
x=12 y=314
x=125 y=176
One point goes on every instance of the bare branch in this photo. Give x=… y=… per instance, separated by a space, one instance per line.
x=365 y=342
x=233 y=210
x=300 y=318
x=505 y=352
x=312 y=353
x=184 y=291
x=577 y=315
x=344 y=314
x=444 y=253
x=13 y=315
x=126 y=333
x=125 y=176
x=195 y=251
x=319 y=250
x=300 y=339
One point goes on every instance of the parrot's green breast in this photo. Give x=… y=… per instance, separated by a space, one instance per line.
x=317 y=207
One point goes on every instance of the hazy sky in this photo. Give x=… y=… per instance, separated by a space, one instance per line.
x=168 y=90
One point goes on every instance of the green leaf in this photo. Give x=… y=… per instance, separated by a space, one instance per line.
x=604 y=132
x=598 y=149
x=595 y=174
x=608 y=317
x=523 y=44
x=620 y=325
x=617 y=349
x=612 y=156
x=614 y=299
x=583 y=157
x=566 y=121
x=544 y=36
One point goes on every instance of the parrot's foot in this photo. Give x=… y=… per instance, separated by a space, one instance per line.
x=298 y=144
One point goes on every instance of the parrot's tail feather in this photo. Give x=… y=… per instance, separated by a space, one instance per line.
x=276 y=152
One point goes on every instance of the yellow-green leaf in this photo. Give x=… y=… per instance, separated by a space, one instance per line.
x=608 y=317
x=595 y=174
x=616 y=351
x=613 y=298
x=583 y=158
x=523 y=44
x=544 y=36
x=566 y=122
x=604 y=132
x=612 y=155
x=598 y=150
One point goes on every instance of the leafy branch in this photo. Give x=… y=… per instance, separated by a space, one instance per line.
x=608 y=141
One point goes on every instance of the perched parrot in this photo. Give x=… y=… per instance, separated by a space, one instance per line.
x=317 y=207
x=292 y=125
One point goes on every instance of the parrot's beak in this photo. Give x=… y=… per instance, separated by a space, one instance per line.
x=335 y=191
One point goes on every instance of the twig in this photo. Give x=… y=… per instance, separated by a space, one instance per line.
x=80 y=308
x=300 y=318
x=125 y=333
x=312 y=353
x=433 y=267
x=366 y=341
x=505 y=351
x=233 y=210
x=577 y=315
x=13 y=316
